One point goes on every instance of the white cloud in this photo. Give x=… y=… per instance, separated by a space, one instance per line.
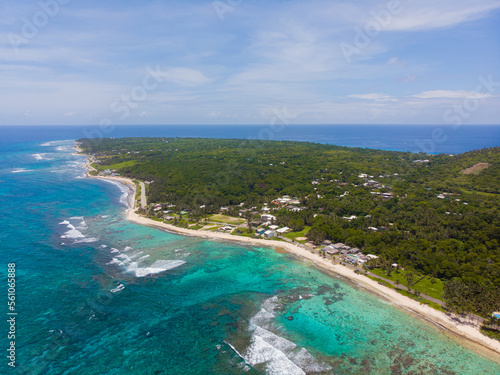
x=451 y=94
x=427 y=15
x=184 y=76
x=213 y=114
x=394 y=61
x=408 y=78
x=374 y=96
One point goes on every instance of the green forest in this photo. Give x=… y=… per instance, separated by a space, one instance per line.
x=435 y=214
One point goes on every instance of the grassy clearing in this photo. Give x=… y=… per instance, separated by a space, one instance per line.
x=479 y=193
x=408 y=294
x=424 y=286
x=226 y=219
x=116 y=167
x=295 y=235
x=244 y=234
x=381 y=282
x=476 y=169
x=214 y=228
x=184 y=223
x=421 y=300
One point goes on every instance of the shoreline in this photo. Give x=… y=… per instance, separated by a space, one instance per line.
x=467 y=333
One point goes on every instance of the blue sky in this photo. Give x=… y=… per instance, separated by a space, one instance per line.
x=243 y=61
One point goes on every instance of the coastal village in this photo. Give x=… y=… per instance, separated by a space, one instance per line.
x=263 y=226
x=262 y=223
x=259 y=222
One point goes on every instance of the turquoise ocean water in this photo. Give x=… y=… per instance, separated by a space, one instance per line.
x=99 y=295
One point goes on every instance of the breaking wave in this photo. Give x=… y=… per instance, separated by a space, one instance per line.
x=74 y=228
x=41 y=157
x=134 y=263
x=277 y=355
x=118 y=288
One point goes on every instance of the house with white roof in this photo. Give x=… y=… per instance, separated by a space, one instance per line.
x=282 y=230
x=268 y=234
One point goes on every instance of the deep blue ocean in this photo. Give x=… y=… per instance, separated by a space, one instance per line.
x=96 y=294
x=413 y=138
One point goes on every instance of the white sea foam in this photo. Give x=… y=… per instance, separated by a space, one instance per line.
x=157 y=267
x=307 y=362
x=124 y=197
x=76 y=163
x=51 y=143
x=271 y=304
x=22 y=170
x=114 y=261
x=82 y=225
x=64 y=148
x=277 y=363
x=278 y=355
x=118 y=288
x=137 y=254
x=41 y=157
x=266 y=313
x=122 y=259
x=263 y=316
x=126 y=192
x=72 y=233
x=104 y=246
x=87 y=240
x=133 y=262
x=274 y=340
